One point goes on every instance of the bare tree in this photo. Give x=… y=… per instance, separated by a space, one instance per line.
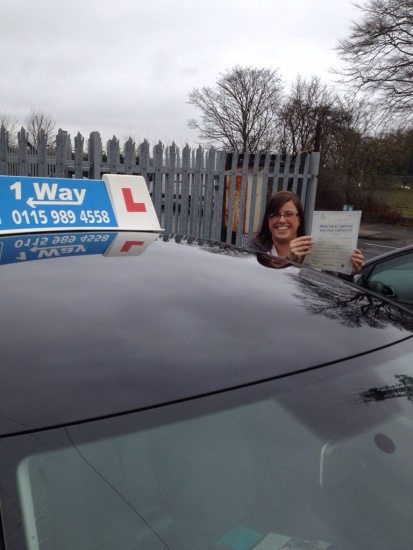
x=378 y=55
x=10 y=124
x=241 y=111
x=343 y=140
x=38 y=120
x=314 y=116
x=308 y=102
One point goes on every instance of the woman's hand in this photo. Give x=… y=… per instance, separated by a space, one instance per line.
x=357 y=260
x=299 y=248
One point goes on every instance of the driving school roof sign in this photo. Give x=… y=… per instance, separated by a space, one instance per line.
x=39 y=204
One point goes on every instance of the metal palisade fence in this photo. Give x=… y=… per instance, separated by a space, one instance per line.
x=207 y=193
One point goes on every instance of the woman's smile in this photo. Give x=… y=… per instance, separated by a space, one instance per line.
x=284 y=229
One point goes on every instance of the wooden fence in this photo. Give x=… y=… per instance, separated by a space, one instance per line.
x=194 y=191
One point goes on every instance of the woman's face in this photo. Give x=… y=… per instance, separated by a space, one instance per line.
x=284 y=230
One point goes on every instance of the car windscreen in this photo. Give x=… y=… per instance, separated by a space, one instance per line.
x=321 y=459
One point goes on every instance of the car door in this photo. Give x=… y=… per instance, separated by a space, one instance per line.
x=392 y=277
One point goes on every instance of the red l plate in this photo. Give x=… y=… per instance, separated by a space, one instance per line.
x=132 y=206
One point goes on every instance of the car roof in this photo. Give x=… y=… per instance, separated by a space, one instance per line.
x=91 y=335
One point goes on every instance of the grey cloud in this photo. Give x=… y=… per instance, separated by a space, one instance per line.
x=112 y=65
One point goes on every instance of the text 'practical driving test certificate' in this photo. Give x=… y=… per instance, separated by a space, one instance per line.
x=335 y=237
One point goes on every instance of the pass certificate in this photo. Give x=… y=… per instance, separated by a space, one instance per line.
x=335 y=237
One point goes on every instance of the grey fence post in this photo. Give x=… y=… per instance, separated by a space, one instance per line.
x=23 y=155
x=209 y=193
x=297 y=163
x=265 y=176
x=63 y=146
x=311 y=190
x=231 y=195
x=79 y=142
x=171 y=153
x=95 y=155
x=242 y=198
x=129 y=156
x=42 y=154
x=287 y=163
x=253 y=191
x=185 y=196
x=113 y=151
x=219 y=185
x=276 y=177
x=144 y=161
x=157 y=183
x=305 y=178
x=196 y=192
x=4 y=142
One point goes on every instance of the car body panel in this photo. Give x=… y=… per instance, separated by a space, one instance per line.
x=166 y=392
x=93 y=336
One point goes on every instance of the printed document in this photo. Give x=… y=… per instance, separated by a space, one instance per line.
x=335 y=236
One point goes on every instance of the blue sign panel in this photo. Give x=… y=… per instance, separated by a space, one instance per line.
x=30 y=203
x=19 y=249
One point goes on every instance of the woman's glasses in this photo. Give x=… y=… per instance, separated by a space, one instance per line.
x=286 y=215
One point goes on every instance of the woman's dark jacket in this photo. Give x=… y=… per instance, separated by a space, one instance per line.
x=257 y=246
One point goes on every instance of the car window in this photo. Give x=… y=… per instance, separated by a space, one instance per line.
x=393 y=278
x=321 y=458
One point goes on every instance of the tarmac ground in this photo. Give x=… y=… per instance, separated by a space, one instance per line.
x=378 y=238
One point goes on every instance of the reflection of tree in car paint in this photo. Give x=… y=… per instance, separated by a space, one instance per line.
x=349 y=307
x=208 y=245
x=403 y=389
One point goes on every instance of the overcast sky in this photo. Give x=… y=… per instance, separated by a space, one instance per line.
x=125 y=67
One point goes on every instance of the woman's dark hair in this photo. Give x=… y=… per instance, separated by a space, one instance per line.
x=274 y=204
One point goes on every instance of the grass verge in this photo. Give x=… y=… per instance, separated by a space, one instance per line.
x=400 y=199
